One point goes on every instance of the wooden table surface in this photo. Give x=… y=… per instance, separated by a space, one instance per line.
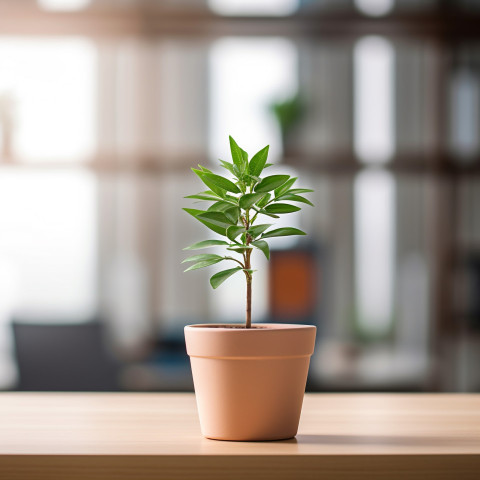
x=141 y=436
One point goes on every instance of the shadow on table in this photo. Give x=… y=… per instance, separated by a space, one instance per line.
x=399 y=440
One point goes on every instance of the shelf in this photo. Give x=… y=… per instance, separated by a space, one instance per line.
x=332 y=164
x=149 y=22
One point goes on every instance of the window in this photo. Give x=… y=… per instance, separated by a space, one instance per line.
x=48 y=242
x=373 y=116
x=245 y=77
x=375 y=8
x=254 y=7
x=63 y=4
x=374 y=249
x=48 y=91
x=465 y=114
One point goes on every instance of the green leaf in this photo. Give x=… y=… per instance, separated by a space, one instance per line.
x=211 y=185
x=233 y=200
x=237 y=172
x=295 y=198
x=300 y=190
x=206 y=244
x=249 y=199
x=267 y=165
x=229 y=166
x=237 y=155
x=203 y=257
x=281 y=208
x=220 y=182
x=256 y=230
x=205 y=169
x=220 y=206
x=264 y=212
x=233 y=214
x=264 y=200
x=257 y=163
x=240 y=249
x=206 y=263
x=251 y=180
x=243 y=187
x=203 y=197
x=271 y=182
x=216 y=218
x=234 y=231
x=263 y=246
x=245 y=159
x=220 y=277
x=210 y=225
x=284 y=188
x=210 y=193
x=283 y=232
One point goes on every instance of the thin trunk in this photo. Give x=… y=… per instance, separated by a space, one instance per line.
x=248 y=316
x=248 y=275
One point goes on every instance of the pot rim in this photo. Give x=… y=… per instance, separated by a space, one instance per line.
x=272 y=340
x=239 y=327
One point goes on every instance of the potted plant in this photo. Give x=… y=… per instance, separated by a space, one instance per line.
x=288 y=113
x=249 y=379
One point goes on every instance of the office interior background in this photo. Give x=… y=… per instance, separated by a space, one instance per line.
x=105 y=105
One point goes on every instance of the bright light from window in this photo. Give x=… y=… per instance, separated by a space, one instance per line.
x=374 y=100
x=254 y=7
x=246 y=75
x=63 y=4
x=375 y=8
x=48 y=226
x=465 y=118
x=374 y=249
x=51 y=89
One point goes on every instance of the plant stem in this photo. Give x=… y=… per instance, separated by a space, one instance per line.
x=235 y=260
x=248 y=275
x=248 y=313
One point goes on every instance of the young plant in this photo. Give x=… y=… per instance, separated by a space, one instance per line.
x=235 y=207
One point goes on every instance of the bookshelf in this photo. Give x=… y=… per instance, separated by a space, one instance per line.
x=445 y=186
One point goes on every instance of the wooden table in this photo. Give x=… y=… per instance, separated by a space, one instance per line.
x=119 y=436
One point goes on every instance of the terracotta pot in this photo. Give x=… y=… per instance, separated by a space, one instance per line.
x=249 y=383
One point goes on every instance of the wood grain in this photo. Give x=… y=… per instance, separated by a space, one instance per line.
x=143 y=436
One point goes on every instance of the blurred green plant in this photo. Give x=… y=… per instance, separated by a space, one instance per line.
x=287 y=113
x=236 y=204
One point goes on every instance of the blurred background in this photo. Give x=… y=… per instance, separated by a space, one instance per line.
x=106 y=104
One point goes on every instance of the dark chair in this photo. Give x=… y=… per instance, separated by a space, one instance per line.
x=63 y=357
